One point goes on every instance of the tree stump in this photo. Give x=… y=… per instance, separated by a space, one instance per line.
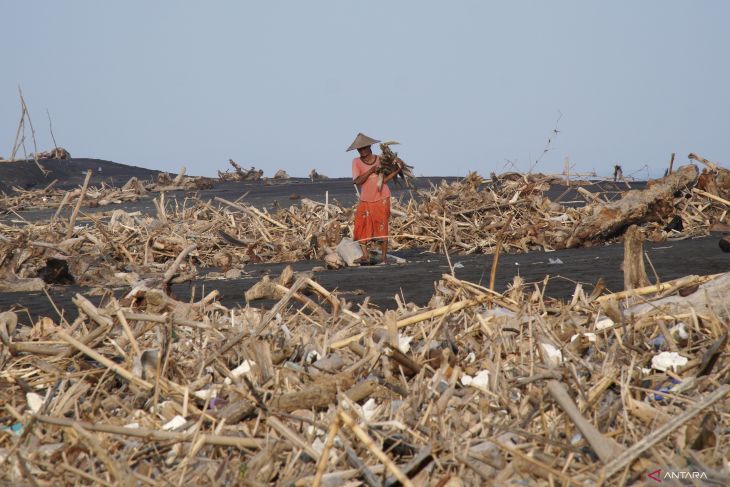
x=633 y=265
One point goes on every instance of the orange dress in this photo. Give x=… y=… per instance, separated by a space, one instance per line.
x=373 y=210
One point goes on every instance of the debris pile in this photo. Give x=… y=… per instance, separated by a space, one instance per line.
x=281 y=174
x=472 y=215
x=478 y=387
x=240 y=174
x=56 y=153
x=315 y=176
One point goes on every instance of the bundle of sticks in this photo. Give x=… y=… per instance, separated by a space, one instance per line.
x=390 y=163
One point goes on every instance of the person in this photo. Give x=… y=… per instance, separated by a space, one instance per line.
x=373 y=210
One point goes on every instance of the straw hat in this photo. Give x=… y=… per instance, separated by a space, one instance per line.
x=361 y=141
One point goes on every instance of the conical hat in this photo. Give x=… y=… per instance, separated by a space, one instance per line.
x=361 y=141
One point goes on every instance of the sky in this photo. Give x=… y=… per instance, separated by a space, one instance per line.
x=462 y=85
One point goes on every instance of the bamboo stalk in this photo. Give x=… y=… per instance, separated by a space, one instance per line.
x=119 y=370
x=72 y=221
x=157 y=435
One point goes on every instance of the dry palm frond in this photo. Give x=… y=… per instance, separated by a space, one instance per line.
x=390 y=163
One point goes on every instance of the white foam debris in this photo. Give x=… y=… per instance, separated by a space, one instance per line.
x=312 y=357
x=34 y=400
x=174 y=423
x=479 y=381
x=471 y=357
x=680 y=329
x=554 y=355
x=204 y=394
x=604 y=323
x=242 y=369
x=404 y=343
x=665 y=360
x=369 y=409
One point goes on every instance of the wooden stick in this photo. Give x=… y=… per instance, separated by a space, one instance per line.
x=170 y=273
x=293 y=437
x=157 y=435
x=671 y=163
x=702 y=160
x=657 y=435
x=657 y=288
x=232 y=342
x=557 y=473
x=100 y=452
x=128 y=331
x=122 y=372
x=60 y=207
x=72 y=221
x=495 y=260
x=324 y=458
x=605 y=448
x=370 y=444
x=711 y=196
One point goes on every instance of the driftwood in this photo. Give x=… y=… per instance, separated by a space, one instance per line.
x=240 y=174
x=636 y=206
x=633 y=265
x=315 y=176
x=516 y=387
x=55 y=153
x=709 y=298
x=265 y=389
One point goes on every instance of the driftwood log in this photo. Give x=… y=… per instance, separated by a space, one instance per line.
x=636 y=206
x=633 y=265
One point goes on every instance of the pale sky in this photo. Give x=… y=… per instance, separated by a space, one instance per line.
x=463 y=85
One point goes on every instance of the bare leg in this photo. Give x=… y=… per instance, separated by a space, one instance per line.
x=365 y=253
x=384 y=250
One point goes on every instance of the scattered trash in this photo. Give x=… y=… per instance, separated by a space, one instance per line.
x=176 y=422
x=144 y=358
x=35 y=401
x=604 y=323
x=552 y=354
x=480 y=380
x=666 y=360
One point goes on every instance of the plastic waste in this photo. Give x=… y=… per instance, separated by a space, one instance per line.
x=604 y=323
x=348 y=251
x=174 y=423
x=242 y=369
x=479 y=381
x=34 y=400
x=665 y=360
x=554 y=355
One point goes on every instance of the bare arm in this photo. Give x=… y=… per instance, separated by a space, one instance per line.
x=391 y=175
x=364 y=176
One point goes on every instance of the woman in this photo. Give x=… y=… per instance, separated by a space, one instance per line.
x=373 y=210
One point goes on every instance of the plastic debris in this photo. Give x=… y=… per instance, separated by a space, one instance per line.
x=666 y=360
x=174 y=423
x=479 y=381
x=35 y=401
x=604 y=323
x=239 y=371
x=552 y=354
x=404 y=343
